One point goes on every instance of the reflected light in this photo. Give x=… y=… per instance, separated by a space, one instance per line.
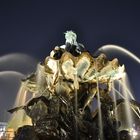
x=133 y=133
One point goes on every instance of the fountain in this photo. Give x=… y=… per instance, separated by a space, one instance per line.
x=73 y=95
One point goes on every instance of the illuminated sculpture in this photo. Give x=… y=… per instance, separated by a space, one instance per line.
x=64 y=86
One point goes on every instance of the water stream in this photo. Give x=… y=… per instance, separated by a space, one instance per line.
x=19 y=118
x=114 y=95
x=128 y=111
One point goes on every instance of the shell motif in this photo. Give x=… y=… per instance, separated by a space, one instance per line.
x=85 y=68
x=64 y=75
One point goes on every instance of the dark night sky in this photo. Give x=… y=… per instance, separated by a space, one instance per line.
x=35 y=27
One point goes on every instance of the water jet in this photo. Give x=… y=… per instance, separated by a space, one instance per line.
x=63 y=89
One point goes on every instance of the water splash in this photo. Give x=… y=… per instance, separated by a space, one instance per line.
x=126 y=84
x=118 y=92
x=40 y=80
x=126 y=92
x=20 y=62
x=21 y=95
x=16 y=57
x=118 y=48
x=11 y=80
x=127 y=96
x=115 y=111
x=11 y=73
x=19 y=118
x=23 y=63
x=123 y=91
x=127 y=102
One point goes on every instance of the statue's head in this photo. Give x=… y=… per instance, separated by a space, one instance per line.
x=71 y=37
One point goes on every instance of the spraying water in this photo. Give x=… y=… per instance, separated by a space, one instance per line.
x=11 y=73
x=124 y=94
x=18 y=57
x=118 y=92
x=22 y=63
x=127 y=87
x=124 y=84
x=16 y=69
x=19 y=118
x=40 y=80
x=115 y=106
x=121 y=49
x=127 y=102
x=21 y=95
x=40 y=83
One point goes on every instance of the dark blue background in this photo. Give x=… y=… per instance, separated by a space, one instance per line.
x=35 y=27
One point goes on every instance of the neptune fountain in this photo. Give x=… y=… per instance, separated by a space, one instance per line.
x=74 y=95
